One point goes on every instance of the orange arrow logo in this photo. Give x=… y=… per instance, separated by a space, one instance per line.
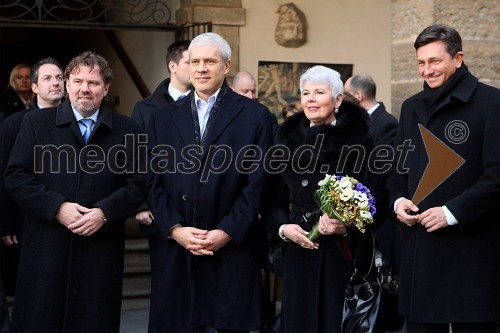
x=443 y=162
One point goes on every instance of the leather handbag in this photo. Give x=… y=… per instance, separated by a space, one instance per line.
x=369 y=296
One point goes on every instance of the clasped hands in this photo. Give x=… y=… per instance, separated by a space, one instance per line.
x=327 y=226
x=432 y=219
x=79 y=219
x=200 y=242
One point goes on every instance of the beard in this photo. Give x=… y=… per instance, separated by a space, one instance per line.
x=86 y=109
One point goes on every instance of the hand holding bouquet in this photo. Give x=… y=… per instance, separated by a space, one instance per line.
x=346 y=199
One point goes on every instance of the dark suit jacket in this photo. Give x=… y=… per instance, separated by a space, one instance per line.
x=457 y=266
x=384 y=126
x=224 y=289
x=81 y=276
x=144 y=108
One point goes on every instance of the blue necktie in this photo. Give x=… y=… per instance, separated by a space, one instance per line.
x=87 y=122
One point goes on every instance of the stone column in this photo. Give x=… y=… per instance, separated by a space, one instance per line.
x=476 y=21
x=226 y=16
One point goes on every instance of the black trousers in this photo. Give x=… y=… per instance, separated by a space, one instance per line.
x=487 y=327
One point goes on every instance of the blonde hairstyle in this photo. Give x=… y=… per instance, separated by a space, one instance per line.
x=14 y=73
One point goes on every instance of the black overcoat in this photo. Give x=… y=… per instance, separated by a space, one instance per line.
x=68 y=282
x=223 y=290
x=314 y=281
x=451 y=274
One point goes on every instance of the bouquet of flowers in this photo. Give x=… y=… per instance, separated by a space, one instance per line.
x=346 y=199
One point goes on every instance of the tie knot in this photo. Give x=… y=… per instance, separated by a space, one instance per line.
x=87 y=122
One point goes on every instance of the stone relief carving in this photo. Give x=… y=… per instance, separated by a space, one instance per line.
x=291 y=30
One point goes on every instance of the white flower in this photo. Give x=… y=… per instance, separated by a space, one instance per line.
x=361 y=196
x=363 y=204
x=345 y=182
x=365 y=215
x=346 y=194
x=325 y=180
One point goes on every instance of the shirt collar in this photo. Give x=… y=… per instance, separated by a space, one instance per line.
x=78 y=116
x=373 y=109
x=174 y=93
x=211 y=99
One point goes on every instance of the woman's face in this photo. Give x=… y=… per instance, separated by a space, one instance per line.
x=319 y=103
x=22 y=80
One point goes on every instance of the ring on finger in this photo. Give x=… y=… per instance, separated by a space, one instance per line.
x=85 y=231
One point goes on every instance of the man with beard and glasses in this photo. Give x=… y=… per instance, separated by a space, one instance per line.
x=73 y=172
x=450 y=239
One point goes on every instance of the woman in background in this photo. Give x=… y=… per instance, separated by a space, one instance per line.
x=18 y=94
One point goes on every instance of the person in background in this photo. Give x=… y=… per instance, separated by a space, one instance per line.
x=209 y=219
x=244 y=84
x=75 y=205
x=18 y=94
x=315 y=274
x=450 y=238
x=48 y=86
x=170 y=89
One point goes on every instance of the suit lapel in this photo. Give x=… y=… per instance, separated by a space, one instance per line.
x=229 y=109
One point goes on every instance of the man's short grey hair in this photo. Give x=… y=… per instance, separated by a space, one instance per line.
x=324 y=75
x=364 y=83
x=211 y=38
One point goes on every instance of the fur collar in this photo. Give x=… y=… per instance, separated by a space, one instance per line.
x=352 y=128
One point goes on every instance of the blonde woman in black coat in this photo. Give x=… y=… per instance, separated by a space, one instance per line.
x=315 y=274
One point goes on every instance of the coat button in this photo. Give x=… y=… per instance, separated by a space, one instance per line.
x=305 y=182
x=185 y=197
x=308 y=215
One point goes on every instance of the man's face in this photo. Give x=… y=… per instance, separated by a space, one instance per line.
x=181 y=70
x=49 y=87
x=436 y=65
x=22 y=80
x=86 y=89
x=207 y=69
x=246 y=87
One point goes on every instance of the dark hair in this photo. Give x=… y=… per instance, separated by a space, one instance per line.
x=438 y=32
x=36 y=68
x=293 y=106
x=364 y=83
x=175 y=51
x=90 y=59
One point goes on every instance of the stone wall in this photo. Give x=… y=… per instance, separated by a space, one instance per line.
x=477 y=21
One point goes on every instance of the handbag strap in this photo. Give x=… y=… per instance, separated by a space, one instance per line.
x=361 y=254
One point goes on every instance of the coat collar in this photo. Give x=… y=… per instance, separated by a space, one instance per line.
x=462 y=93
x=378 y=111
x=65 y=115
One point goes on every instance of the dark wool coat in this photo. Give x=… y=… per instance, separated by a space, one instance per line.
x=11 y=215
x=144 y=108
x=314 y=281
x=452 y=274
x=10 y=102
x=68 y=282
x=223 y=290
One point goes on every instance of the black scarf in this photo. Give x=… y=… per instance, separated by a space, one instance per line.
x=432 y=97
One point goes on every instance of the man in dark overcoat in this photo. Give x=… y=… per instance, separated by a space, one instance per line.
x=450 y=252
x=204 y=189
x=73 y=171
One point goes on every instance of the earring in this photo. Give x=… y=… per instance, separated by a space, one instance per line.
x=336 y=110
